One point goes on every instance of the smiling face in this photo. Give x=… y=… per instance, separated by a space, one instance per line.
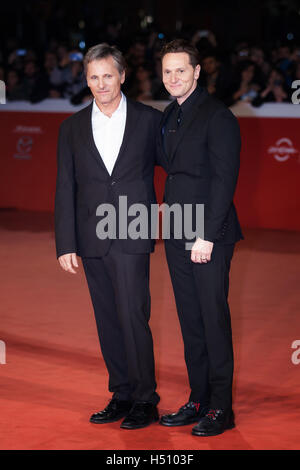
x=104 y=81
x=179 y=76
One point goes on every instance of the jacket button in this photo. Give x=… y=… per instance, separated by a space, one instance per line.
x=170 y=177
x=113 y=182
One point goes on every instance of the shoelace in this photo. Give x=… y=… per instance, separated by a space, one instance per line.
x=188 y=405
x=213 y=414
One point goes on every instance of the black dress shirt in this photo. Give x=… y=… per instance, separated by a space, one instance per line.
x=176 y=118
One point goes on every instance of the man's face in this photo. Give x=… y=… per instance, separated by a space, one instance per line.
x=178 y=75
x=104 y=80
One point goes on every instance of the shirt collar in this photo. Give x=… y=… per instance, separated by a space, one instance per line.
x=190 y=101
x=120 y=109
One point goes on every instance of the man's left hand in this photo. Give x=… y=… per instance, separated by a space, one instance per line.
x=201 y=251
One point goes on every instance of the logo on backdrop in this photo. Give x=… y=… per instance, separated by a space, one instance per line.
x=24 y=147
x=2 y=352
x=283 y=149
x=29 y=129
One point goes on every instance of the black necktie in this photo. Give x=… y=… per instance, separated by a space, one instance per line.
x=179 y=116
x=172 y=128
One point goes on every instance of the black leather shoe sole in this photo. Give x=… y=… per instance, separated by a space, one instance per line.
x=139 y=426
x=108 y=420
x=208 y=434
x=185 y=423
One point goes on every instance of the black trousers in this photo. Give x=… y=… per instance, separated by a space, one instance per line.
x=201 y=293
x=119 y=289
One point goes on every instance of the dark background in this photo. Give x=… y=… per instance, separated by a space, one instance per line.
x=37 y=22
x=250 y=50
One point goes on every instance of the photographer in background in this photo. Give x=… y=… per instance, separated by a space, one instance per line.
x=73 y=75
x=275 y=91
x=35 y=82
x=14 y=87
x=245 y=87
x=214 y=77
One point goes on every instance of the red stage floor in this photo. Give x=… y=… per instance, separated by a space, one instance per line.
x=54 y=376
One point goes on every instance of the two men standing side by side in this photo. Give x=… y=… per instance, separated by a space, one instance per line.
x=108 y=150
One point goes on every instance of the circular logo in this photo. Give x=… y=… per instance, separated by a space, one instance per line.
x=283 y=149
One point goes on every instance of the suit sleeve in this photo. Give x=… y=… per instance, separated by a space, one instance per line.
x=224 y=144
x=157 y=117
x=65 y=235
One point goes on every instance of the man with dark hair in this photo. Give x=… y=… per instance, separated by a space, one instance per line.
x=199 y=147
x=105 y=151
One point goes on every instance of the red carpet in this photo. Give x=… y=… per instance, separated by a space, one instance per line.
x=54 y=376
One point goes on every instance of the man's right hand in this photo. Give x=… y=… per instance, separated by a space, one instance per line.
x=68 y=262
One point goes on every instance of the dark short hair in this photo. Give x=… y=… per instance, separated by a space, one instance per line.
x=181 y=45
x=101 y=51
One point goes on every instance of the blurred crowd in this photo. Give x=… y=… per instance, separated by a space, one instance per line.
x=249 y=72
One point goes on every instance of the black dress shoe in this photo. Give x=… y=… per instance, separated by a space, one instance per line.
x=115 y=410
x=189 y=413
x=141 y=415
x=215 y=422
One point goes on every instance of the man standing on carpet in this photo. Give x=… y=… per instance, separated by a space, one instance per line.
x=199 y=147
x=105 y=151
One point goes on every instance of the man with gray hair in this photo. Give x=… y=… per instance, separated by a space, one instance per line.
x=105 y=151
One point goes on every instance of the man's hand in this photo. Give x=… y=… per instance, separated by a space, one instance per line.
x=201 y=251
x=68 y=262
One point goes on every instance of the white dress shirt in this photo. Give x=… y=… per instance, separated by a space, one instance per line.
x=108 y=132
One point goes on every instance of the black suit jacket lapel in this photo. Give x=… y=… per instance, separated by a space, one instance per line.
x=188 y=121
x=132 y=115
x=87 y=132
x=166 y=114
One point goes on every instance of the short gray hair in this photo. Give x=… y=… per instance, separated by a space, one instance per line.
x=101 y=51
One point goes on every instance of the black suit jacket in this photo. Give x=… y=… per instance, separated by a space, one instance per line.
x=83 y=182
x=204 y=166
